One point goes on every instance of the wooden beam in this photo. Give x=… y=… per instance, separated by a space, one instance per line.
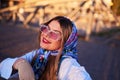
x=34 y=3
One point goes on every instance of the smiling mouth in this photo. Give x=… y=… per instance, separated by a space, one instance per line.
x=44 y=40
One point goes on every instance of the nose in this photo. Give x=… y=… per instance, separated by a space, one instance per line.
x=46 y=34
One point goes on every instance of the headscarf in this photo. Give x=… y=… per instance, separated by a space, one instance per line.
x=68 y=50
x=71 y=43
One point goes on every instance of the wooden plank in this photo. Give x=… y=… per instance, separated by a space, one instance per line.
x=35 y=3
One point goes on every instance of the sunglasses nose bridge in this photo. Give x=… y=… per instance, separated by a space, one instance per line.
x=47 y=34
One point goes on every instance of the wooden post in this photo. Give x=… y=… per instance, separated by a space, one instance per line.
x=90 y=19
x=42 y=14
x=11 y=3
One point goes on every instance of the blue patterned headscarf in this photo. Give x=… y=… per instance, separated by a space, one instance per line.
x=71 y=43
x=68 y=50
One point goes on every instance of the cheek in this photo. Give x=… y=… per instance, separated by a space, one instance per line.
x=40 y=43
x=41 y=38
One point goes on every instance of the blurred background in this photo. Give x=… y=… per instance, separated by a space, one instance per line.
x=97 y=21
x=90 y=16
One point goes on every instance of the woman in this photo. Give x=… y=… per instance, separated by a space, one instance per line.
x=56 y=59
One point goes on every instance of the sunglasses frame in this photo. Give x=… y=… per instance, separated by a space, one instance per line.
x=55 y=35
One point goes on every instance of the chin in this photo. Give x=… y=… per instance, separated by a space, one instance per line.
x=48 y=47
x=44 y=47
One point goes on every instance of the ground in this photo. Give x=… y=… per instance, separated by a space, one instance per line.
x=99 y=56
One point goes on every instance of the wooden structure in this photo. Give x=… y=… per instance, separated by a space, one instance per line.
x=89 y=15
x=42 y=8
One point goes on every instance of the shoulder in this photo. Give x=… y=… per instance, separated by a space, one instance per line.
x=68 y=62
x=70 y=69
x=6 y=67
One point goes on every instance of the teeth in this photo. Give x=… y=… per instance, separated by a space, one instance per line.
x=45 y=40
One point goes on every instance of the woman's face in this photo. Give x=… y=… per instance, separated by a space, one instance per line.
x=51 y=38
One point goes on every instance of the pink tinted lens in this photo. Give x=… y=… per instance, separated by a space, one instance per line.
x=53 y=35
x=43 y=29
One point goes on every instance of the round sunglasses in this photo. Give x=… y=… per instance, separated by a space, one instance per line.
x=55 y=35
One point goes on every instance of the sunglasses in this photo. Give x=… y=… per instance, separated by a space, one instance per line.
x=55 y=35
